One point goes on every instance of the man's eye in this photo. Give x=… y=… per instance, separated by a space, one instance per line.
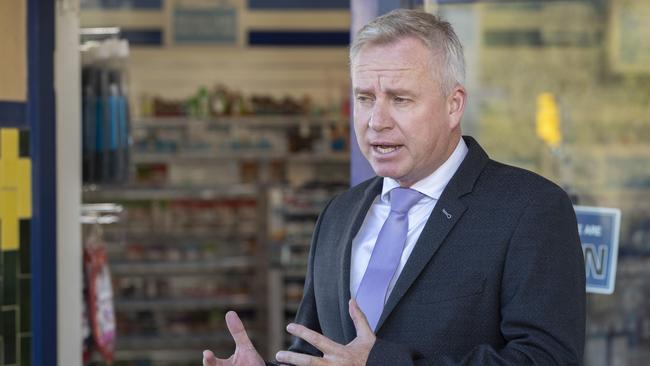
x=400 y=100
x=363 y=98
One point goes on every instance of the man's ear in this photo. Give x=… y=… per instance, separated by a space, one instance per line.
x=456 y=105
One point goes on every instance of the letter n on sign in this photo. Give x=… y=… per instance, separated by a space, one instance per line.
x=599 y=228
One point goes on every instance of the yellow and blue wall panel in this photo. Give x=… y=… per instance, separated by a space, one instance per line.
x=15 y=189
x=27 y=184
x=15 y=245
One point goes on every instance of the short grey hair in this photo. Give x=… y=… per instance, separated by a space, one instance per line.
x=436 y=34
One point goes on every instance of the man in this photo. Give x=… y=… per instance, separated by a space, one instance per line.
x=453 y=258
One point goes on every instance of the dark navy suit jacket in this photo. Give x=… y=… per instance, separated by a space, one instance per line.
x=496 y=277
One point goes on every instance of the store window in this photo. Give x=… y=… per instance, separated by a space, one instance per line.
x=557 y=87
x=217 y=131
x=562 y=88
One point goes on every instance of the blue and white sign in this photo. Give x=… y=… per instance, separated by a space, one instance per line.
x=599 y=228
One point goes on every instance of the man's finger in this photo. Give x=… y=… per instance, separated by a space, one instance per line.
x=238 y=331
x=316 y=339
x=298 y=359
x=209 y=359
x=359 y=319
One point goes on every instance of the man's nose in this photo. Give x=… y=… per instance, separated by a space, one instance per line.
x=380 y=118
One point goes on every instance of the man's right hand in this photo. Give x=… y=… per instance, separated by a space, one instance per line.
x=245 y=353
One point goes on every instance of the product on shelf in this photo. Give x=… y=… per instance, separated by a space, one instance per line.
x=99 y=324
x=178 y=264
x=105 y=112
x=100 y=300
x=222 y=101
x=238 y=150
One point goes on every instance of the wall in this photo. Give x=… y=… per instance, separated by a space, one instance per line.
x=13 y=62
x=15 y=190
x=15 y=257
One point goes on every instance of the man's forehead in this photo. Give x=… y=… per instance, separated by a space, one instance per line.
x=408 y=48
x=388 y=65
x=385 y=82
x=378 y=72
x=383 y=66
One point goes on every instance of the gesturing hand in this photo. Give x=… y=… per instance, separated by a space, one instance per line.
x=245 y=354
x=354 y=353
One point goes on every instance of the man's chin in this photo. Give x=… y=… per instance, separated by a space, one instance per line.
x=386 y=173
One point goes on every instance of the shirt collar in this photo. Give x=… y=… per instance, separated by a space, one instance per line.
x=432 y=185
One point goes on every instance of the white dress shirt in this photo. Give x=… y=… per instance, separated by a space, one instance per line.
x=364 y=242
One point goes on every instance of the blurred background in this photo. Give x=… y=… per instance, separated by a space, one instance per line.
x=198 y=140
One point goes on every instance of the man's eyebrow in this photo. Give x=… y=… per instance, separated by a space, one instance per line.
x=396 y=91
x=362 y=91
x=399 y=91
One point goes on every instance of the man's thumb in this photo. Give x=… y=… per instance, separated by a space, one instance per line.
x=209 y=359
x=359 y=319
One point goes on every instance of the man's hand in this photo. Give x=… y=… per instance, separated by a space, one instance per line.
x=354 y=353
x=245 y=354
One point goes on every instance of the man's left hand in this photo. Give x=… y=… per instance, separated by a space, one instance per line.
x=354 y=353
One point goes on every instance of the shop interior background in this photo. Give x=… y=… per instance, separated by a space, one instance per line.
x=227 y=129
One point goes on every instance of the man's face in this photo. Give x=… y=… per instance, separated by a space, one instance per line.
x=405 y=127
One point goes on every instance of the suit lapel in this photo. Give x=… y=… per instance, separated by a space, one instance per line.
x=352 y=225
x=447 y=212
x=443 y=218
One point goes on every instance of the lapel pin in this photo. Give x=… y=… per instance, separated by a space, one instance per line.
x=444 y=211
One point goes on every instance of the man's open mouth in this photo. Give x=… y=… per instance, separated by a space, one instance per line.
x=386 y=149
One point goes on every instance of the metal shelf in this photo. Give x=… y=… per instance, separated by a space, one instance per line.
x=176 y=237
x=330 y=157
x=178 y=341
x=133 y=193
x=185 y=267
x=270 y=121
x=294 y=211
x=206 y=157
x=296 y=273
x=295 y=241
x=175 y=347
x=150 y=233
x=162 y=355
x=229 y=301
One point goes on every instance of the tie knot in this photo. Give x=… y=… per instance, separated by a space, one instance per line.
x=402 y=199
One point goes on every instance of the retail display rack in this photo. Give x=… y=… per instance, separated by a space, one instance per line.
x=194 y=239
x=292 y=215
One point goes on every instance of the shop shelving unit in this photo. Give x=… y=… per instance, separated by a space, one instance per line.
x=131 y=193
x=293 y=212
x=207 y=158
x=190 y=249
x=174 y=280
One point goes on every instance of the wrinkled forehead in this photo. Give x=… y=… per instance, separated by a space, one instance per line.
x=371 y=78
x=400 y=55
x=390 y=64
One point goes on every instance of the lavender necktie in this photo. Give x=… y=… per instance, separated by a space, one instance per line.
x=386 y=255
